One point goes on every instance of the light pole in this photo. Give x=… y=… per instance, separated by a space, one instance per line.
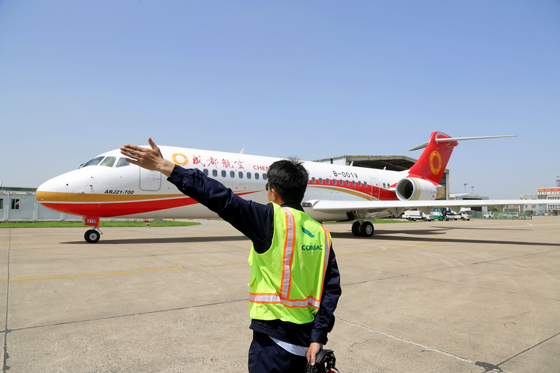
x=472 y=189
x=465 y=188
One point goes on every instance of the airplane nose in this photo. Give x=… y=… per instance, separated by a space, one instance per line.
x=47 y=192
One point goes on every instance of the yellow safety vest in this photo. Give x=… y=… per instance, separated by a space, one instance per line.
x=287 y=280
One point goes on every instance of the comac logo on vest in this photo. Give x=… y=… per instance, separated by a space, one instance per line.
x=312 y=247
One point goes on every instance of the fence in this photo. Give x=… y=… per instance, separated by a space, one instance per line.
x=501 y=215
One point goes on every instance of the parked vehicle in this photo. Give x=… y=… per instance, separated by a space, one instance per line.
x=489 y=215
x=511 y=215
x=415 y=214
x=444 y=213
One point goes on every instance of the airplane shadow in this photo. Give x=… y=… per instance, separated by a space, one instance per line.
x=387 y=235
x=149 y=241
x=420 y=236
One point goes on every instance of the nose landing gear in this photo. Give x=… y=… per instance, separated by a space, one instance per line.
x=93 y=235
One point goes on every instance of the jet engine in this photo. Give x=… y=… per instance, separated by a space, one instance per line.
x=413 y=189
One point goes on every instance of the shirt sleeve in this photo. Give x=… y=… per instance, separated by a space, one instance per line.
x=324 y=319
x=253 y=219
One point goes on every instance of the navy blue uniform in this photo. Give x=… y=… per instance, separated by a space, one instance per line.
x=256 y=221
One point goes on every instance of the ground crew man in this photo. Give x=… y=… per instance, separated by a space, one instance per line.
x=295 y=282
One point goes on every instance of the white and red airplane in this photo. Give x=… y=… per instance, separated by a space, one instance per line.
x=110 y=187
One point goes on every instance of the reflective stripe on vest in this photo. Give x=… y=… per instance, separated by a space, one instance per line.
x=289 y=247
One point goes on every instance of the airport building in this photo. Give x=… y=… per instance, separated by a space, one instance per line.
x=552 y=195
x=20 y=204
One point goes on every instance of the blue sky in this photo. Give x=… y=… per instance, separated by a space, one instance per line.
x=314 y=79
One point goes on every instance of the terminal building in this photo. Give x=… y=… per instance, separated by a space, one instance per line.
x=551 y=195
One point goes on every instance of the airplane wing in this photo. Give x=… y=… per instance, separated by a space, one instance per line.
x=397 y=207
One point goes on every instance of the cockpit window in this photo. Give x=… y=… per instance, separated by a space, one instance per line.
x=93 y=162
x=109 y=161
x=122 y=162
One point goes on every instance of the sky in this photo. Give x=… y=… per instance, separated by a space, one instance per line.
x=313 y=79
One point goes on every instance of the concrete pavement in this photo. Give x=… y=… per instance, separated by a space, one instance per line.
x=454 y=296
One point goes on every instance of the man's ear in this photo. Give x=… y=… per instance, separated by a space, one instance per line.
x=276 y=197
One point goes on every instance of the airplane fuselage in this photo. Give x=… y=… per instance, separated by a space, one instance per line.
x=111 y=187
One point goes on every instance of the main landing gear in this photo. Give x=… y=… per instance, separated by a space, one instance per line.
x=93 y=235
x=362 y=228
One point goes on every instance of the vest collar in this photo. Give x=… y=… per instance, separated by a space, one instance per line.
x=295 y=206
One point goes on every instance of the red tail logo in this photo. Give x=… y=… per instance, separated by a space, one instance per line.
x=431 y=164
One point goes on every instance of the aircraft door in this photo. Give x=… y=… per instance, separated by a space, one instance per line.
x=373 y=188
x=149 y=180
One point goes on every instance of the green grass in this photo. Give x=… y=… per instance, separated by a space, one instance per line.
x=376 y=221
x=167 y=223
x=68 y=224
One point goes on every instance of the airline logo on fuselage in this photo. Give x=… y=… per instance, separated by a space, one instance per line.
x=180 y=159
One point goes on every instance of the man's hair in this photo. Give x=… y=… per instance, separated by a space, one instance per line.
x=289 y=178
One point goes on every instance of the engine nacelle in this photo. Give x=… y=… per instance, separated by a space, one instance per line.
x=413 y=189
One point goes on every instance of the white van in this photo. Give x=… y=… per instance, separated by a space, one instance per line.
x=415 y=214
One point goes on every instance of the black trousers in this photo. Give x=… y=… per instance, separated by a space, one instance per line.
x=265 y=356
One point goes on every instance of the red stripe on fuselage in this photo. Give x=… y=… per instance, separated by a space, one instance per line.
x=111 y=209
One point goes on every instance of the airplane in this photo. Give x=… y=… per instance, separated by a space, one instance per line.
x=110 y=187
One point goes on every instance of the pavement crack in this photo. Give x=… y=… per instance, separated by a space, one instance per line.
x=529 y=349
x=5 y=366
x=123 y=316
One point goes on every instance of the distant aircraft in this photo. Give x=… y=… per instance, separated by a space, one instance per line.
x=109 y=187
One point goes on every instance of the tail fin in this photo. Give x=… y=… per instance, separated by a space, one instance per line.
x=431 y=164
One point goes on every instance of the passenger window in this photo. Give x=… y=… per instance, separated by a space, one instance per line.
x=108 y=162
x=347 y=183
x=256 y=176
x=313 y=180
x=240 y=174
x=320 y=180
x=215 y=173
x=365 y=184
x=205 y=171
x=224 y=173
x=122 y=163
x=359 y=183
x=328 y=181
x=232 y=174
x=264 y=177
x=353 y=183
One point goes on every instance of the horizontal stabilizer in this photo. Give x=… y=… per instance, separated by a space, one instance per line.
x=460 y=139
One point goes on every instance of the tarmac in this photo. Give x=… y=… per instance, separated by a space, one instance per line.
x=457 y=296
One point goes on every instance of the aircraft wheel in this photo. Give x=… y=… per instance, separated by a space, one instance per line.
x=367 y=229
x=357 y=228
x=92 y=236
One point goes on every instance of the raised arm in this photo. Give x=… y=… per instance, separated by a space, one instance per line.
x=150 y=159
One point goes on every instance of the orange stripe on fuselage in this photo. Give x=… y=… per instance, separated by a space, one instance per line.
x=123 y=207
x=52 y=197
